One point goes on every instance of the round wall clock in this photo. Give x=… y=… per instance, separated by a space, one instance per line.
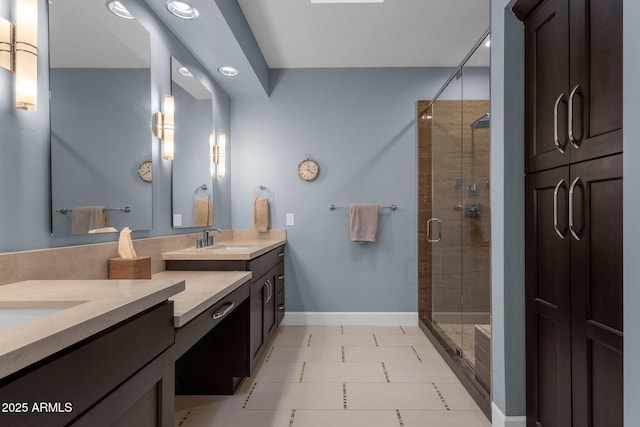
x=145 y=171
x=308 y=169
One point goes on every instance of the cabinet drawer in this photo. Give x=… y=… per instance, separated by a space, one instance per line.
x=88 y=371
x=280 y=306
x=279 y=278
x=264 y=263
x=197 y=328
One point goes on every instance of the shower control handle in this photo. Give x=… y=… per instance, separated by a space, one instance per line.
x=429 y=236
x=556 y=138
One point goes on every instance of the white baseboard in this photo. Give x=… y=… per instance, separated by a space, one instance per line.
x=498 y=419
x=306 y=318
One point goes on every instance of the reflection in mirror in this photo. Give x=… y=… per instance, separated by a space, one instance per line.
x=192 y=182
x=100 y=84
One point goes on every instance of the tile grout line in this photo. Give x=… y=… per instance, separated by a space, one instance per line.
x=416 y=353
x=269 y=354
x=342 y=354
x=344 y=395
x=403 y=331
x=304 y=364
x=444 y=402
x=184 y=418
x=341 y=330
x=386 y=374
x=375 y=340
x=399 y=418
x=246 y=401
x=309 y=340
x=293 y=414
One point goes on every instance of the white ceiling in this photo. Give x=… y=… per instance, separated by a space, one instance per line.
x=395 y=33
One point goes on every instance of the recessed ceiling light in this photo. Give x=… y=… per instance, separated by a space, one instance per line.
x=182 y=10
x=185 y=71
x=228 y=71
x=118 y=9
x=347 y=1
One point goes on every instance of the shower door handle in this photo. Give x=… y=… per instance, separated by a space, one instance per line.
x=429 y=236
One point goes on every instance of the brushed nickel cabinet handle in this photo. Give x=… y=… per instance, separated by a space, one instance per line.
x=221 y=314
x=281 y=307
x=269 y=294
x=281 y=254
x=281 y=277
x=571 y=225
x=555 y=209
x=556 y=139
x=572 y=138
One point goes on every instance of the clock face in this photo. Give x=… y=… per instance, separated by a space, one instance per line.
x=308 y=170
x=145 y=171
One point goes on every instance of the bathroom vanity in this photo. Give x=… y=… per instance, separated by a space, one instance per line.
x=99 y=358
x=263 y=256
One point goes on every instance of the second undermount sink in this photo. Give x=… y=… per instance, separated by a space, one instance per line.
x=230 y=247
x=15 y=316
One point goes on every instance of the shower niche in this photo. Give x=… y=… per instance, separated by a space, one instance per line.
x=455 y=221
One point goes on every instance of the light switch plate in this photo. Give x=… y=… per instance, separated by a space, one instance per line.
x=290 y=219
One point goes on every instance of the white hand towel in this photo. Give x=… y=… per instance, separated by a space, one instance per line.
x=363 y=222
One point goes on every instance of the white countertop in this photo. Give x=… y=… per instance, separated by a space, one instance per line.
x=89 y=306
x=246 y=249
x=202 y=290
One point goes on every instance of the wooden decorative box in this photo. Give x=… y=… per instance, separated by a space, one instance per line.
x=135 y=268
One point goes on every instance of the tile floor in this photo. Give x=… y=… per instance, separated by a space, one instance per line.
x=335 y=376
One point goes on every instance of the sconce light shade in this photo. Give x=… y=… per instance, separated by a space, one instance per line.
x=19 y=52
x=222 y=147
x=164 y=127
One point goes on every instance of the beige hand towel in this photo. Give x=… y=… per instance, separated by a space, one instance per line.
x=261 y=214
x=203 y=212
x=363 y=222
x=85 y=218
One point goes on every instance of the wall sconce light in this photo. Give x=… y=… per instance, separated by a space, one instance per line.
x=212 y=155
x=19 y=52
x=218 y=154
x=164 y=127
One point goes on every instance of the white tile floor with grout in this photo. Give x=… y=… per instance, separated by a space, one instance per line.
x=319 y=376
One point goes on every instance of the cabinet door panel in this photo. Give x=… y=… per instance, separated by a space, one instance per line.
x=548 y=317
x=256 y=321
x=596 y=292
x=547 y=85
x=596 y=67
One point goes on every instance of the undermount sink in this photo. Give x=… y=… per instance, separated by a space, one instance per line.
x=230 y=247
x=10 y=317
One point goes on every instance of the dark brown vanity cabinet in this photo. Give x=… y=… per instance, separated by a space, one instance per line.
x=266 y=295
x=573 y=202
x=120 y=376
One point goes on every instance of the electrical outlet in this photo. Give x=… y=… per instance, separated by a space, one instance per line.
x=290 y=219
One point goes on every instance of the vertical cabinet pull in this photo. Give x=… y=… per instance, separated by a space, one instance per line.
x=429 y=236
x=556 y=138
x=571 y=210
x=572 y=138
x=555 y=210
x=269 y=294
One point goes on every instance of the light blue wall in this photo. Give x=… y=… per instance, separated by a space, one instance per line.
x=507 y=204
x=631 y=102
x=24 y=141
x=359 y=124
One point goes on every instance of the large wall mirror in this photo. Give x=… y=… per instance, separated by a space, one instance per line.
x=101 y=140
x=192 y=173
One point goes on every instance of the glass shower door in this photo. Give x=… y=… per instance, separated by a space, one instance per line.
x=444 y=227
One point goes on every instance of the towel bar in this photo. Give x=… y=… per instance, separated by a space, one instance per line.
x=126 y=209
x=334 y=207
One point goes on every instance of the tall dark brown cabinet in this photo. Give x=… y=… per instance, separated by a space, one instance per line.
x=573 y=136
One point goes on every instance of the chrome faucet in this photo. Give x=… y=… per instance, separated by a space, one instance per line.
x=207 y=239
